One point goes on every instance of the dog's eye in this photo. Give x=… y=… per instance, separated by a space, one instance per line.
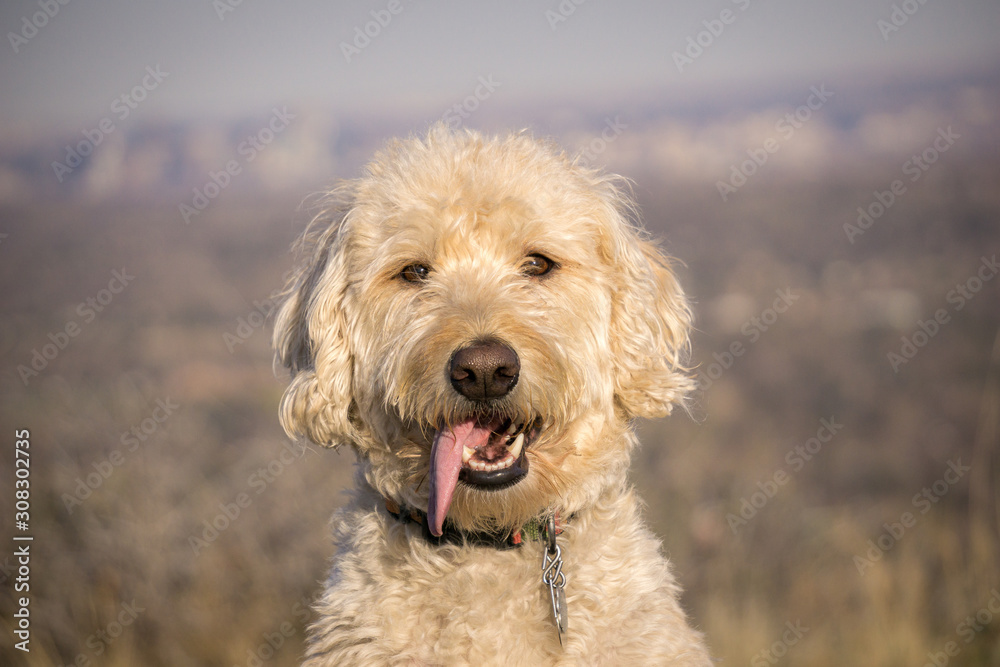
x=415 y=273
x=537 y=265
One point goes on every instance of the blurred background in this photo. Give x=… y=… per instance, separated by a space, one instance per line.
x=828 y=173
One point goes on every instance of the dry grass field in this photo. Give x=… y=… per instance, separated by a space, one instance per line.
x=820 y=506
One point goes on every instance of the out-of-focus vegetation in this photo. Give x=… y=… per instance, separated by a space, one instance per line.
x=806 y=555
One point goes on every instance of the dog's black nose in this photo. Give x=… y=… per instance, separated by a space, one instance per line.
x=484 y=370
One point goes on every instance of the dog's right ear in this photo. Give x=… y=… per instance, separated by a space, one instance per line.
x=311 y=341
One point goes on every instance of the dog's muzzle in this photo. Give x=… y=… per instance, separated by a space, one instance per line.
x=484 y=450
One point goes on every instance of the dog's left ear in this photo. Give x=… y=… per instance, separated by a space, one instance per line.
x=650 y=323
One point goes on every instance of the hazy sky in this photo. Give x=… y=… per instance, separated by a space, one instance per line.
x=71 y=69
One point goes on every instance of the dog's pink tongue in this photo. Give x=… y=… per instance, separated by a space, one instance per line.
x=446 y=462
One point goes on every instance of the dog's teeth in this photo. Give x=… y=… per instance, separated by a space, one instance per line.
x=467 y=454
x=511 y=428
x=515 y=449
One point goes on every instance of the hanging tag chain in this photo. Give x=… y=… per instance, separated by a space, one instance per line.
x=554 y=578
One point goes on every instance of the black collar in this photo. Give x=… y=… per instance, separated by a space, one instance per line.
x=534 y=530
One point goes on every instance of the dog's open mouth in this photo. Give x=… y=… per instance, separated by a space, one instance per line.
x=486 y=453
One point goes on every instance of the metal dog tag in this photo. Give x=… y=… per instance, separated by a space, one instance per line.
x=555 y=579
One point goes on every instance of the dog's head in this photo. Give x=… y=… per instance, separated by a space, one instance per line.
x=479 y=318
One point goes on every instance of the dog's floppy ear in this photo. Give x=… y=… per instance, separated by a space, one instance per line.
x=311 y=340
x=650 y=322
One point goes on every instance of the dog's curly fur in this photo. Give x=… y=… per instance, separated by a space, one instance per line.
x=601 y=340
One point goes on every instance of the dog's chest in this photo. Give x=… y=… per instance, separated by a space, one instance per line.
x=477 y=602
x=392 y=594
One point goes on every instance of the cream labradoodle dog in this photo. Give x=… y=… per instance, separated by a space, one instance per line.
x=480 y=321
